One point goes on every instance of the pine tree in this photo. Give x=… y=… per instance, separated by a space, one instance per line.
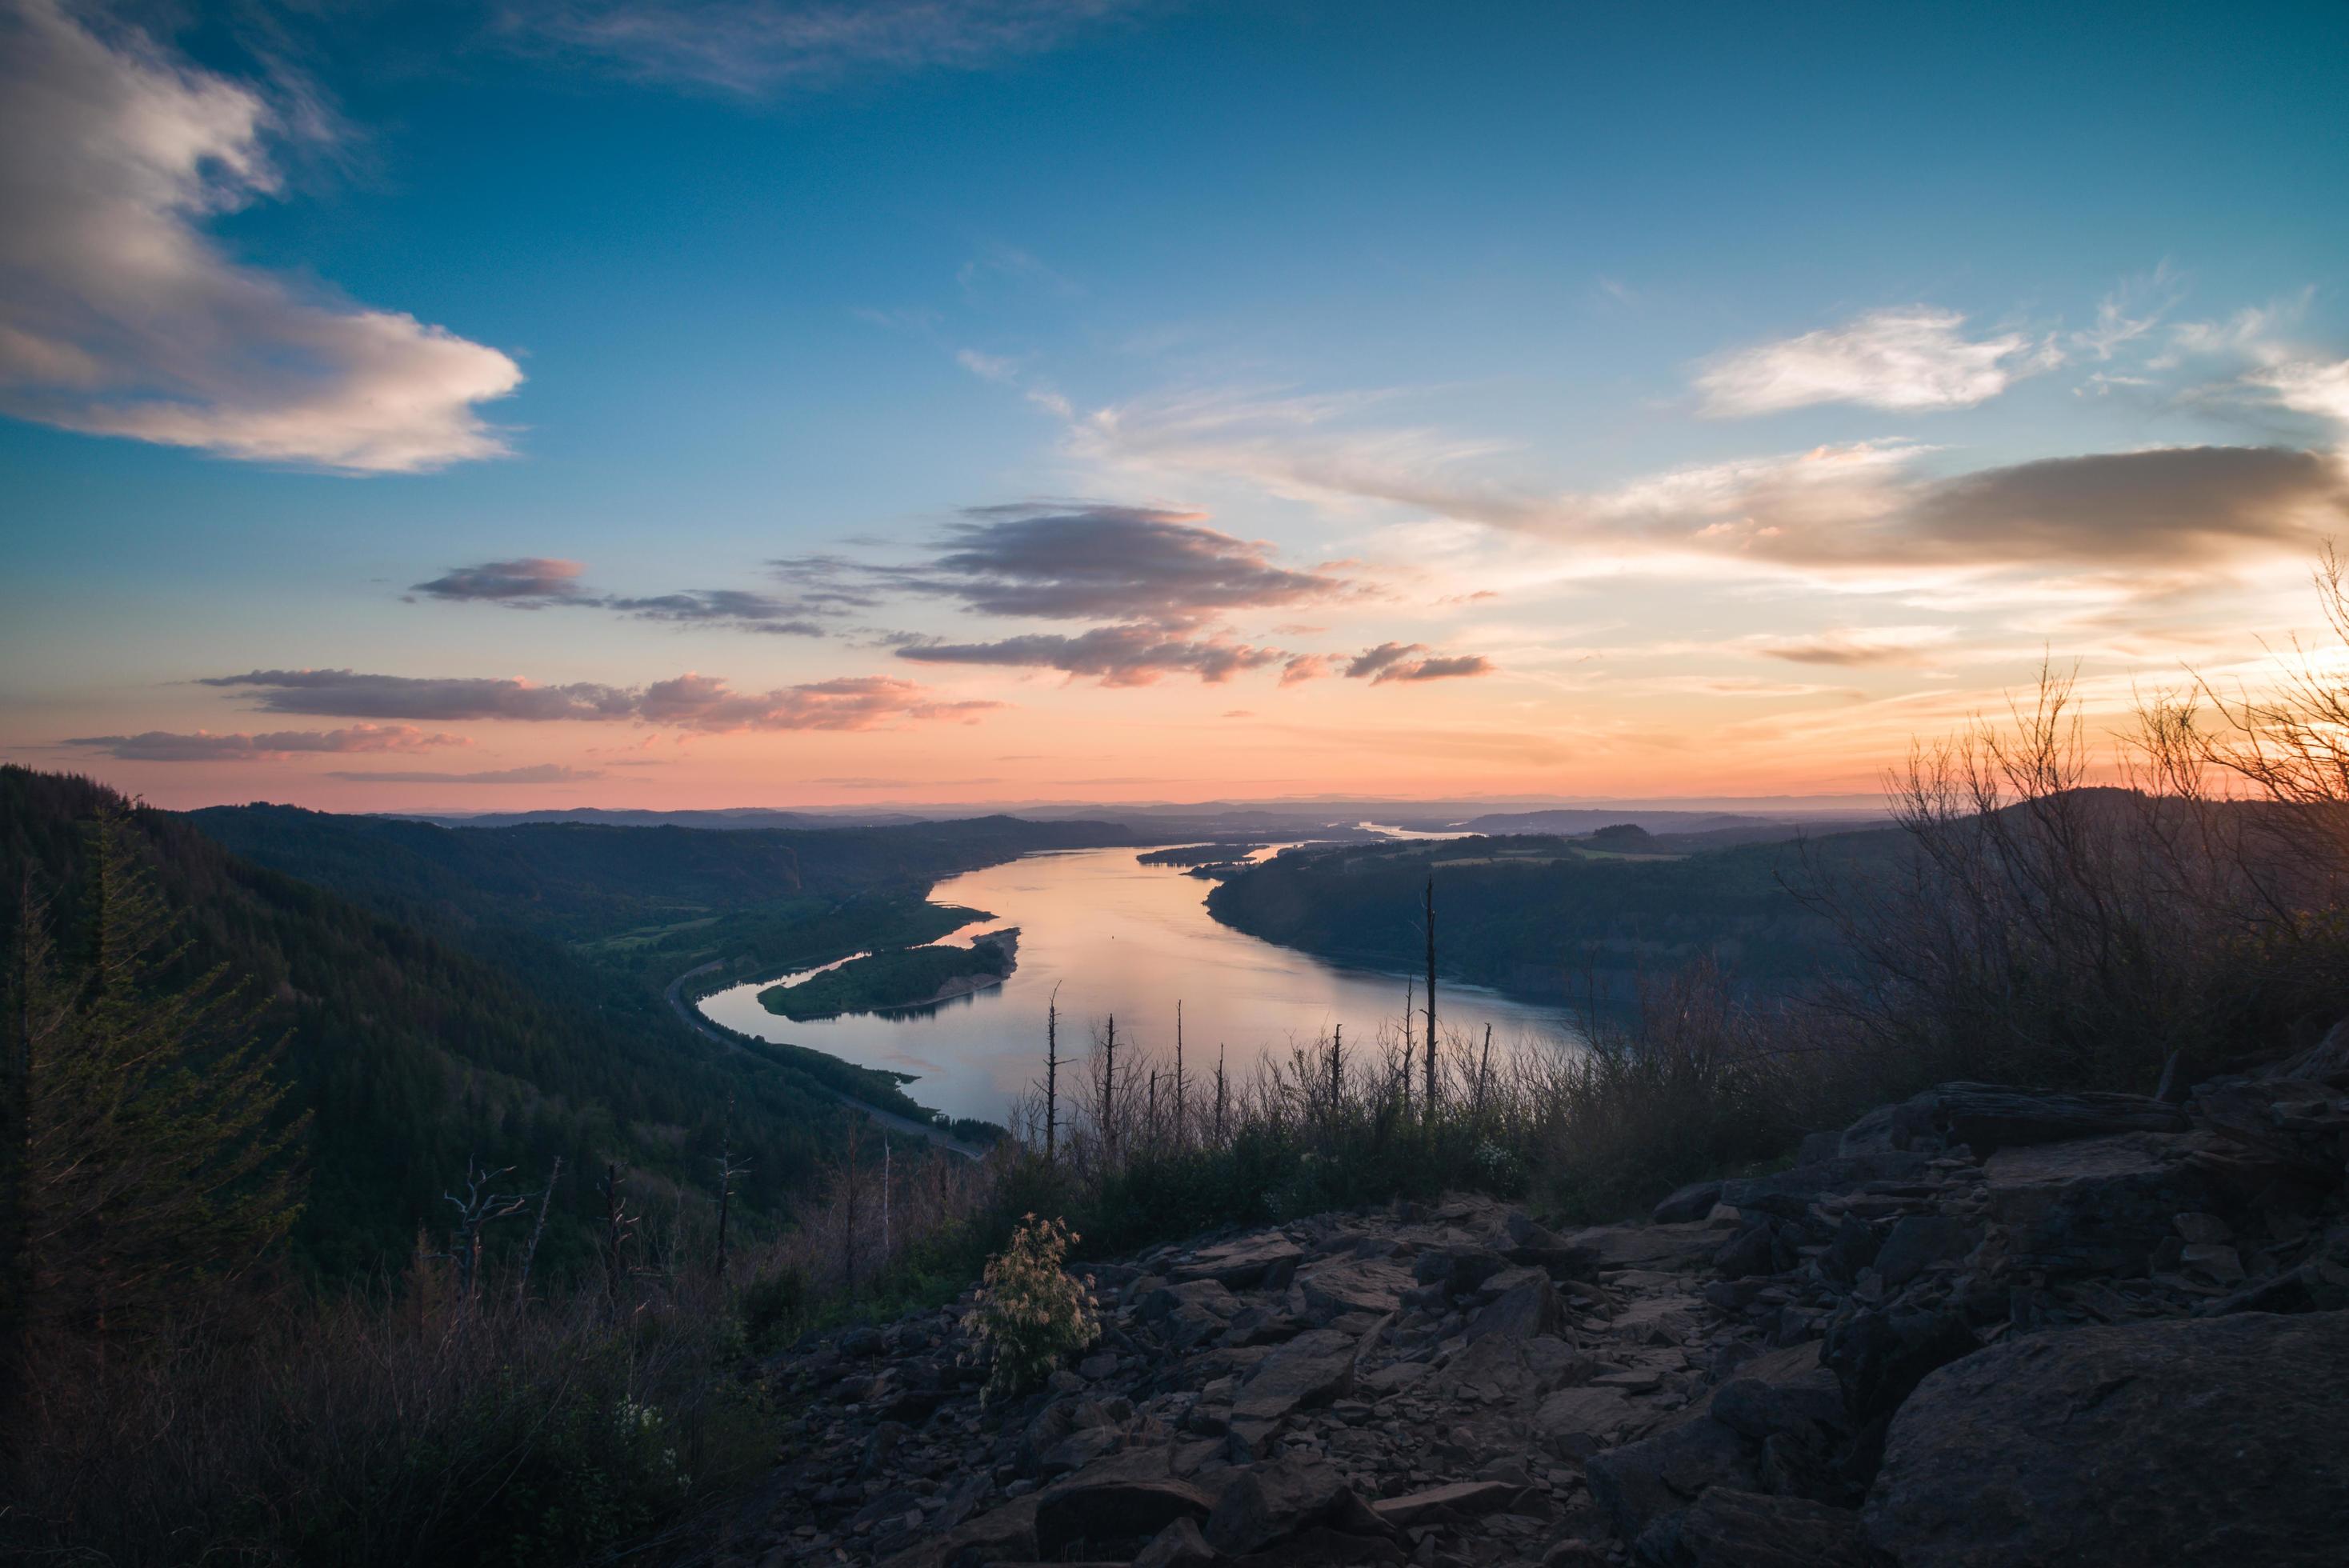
x=153 y=1160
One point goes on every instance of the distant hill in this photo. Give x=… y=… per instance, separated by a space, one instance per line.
x=1590 y=819
x=730 y=819
x=1540 y=916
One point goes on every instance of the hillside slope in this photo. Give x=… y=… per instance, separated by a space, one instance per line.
x=437 y=1013
x=1543 y=916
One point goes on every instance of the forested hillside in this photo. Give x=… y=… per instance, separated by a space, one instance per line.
x=452 y=995
x=1547 y=916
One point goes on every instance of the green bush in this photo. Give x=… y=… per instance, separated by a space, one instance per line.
x=1030 y=1314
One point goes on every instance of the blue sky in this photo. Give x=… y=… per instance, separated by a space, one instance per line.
x=1693 y=399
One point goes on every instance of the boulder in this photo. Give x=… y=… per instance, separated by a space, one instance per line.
x=1524 y=1311
x=1113 y=1505
x=2211 y=1440
x=1576 y=1423
x=1267 y=1261
x=1179 y=1545
x=1694 y=1202
x=1307 y=1372
x=1643 y=1481
x=1879 y=1356
x=2099 y=1205
x=1789 y=1194
x=1007 y=1534
x=1278 y=1500
x=1749 y=1252
x=1354 y=1284
x=1989 y=1116
x=1457 y=1500
x=1918 y=1241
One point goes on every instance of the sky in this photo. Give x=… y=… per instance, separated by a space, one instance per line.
x=629 y=403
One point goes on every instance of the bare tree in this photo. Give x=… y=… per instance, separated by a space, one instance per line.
x=476 y=1211
x=537 y=1232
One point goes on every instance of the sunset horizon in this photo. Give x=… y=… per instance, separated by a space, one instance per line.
x=614 y=406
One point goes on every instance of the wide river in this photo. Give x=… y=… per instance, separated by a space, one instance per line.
x=1117 y=937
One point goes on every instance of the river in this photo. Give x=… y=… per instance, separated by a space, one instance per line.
x=1116 y=937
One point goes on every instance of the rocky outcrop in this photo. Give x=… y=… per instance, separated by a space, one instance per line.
x=1987 y=1325
x=2222 y=1441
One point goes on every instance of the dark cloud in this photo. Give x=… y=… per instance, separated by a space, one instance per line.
x=1116 y=656
x=530 y=584
x=540 y=773
x=1867 y=505
x=1444 y=669
x=539 y=583
x=1089 y=561
x=202 y=745
x=349 y=693
x=731 y=607
x=2163 y=507
x=689 y=701
x=1412 y=662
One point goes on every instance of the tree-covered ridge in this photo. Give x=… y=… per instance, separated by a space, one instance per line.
x=455 y=995
x=1544 y=916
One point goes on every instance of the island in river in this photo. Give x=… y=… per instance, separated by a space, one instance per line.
x=896 y=981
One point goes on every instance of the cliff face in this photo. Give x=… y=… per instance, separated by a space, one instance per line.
x=1987 y=1326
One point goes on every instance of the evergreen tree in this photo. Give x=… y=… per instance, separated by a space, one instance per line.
x=148 y=1161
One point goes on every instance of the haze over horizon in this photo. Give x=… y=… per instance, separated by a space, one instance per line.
x=621 y=404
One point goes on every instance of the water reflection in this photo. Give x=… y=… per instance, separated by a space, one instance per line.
x=1112 y=936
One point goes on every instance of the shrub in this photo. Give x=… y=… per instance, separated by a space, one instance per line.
x=1031 y=1313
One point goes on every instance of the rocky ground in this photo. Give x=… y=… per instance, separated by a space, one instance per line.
x=1985 y=1326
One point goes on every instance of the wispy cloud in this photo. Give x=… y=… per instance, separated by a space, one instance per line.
x=1912 y=359
x=120 y=316
x=1413 y=662
x=538 y=583
x=537 y=773
x=203 y=746
x=529 y=583
x=691 y=701
x=754 y=46
x=1116 y=656
x=1847 y=646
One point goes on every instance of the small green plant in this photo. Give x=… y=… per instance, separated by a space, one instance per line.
x=1031 y=1312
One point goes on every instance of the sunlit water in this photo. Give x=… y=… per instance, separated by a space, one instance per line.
x=1114 y=936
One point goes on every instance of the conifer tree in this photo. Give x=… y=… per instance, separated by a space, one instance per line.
x=153 y=1159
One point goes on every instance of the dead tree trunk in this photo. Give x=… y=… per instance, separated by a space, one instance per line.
x=1052 y=1074
x=1429 y=1095
x=537 y=1232
x=848 y=1224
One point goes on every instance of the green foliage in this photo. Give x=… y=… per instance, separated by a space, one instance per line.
x=905 y=978
x=1031 y=1315
x=775 y=1306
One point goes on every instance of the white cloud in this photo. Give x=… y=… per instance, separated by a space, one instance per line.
x=1915 y=358
x=995 y=367
x=118 y=315
x=2309 y=387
